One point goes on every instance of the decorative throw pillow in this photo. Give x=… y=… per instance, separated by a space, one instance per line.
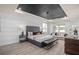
x=38 y=33
x=30 y=33
x=34 y=33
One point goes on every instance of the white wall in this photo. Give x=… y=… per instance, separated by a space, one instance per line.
x=10 y=22
x=72 y=11
x=50 y=27
x=70 y=26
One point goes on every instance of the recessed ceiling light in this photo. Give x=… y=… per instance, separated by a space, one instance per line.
x=19 y=10
x=65 y=17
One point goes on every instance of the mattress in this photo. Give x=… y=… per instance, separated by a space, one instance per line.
x=40 y=38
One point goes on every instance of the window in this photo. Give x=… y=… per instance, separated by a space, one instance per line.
x=60 y=28
x=44 y=27
x=57 y=29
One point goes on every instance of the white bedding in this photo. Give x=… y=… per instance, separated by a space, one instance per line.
x=40 y=38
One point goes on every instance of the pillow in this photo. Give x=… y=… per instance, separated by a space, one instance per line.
x=37 y=33
x=41 y=32
x=34 y=33
x=30 y=33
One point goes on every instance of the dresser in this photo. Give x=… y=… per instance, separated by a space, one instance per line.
x=72 y=46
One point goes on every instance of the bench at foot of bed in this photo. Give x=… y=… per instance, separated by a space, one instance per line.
x=49 y=42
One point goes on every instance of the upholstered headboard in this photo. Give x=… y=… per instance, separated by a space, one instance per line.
x=32 y=29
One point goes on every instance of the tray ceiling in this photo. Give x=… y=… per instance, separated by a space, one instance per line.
x=48 y=11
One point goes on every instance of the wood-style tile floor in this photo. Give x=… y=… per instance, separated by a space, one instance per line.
x=27 y=48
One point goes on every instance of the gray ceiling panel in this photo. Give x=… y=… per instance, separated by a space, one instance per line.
x=48 y=11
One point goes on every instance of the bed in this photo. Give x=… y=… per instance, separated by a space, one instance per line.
x=40 y=40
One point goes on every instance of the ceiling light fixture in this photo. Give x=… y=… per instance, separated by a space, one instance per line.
x=47 y=12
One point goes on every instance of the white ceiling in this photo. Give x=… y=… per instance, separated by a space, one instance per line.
x=7 y=7
x=72 y=11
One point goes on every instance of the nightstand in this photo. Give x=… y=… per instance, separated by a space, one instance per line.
x=22 y=38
